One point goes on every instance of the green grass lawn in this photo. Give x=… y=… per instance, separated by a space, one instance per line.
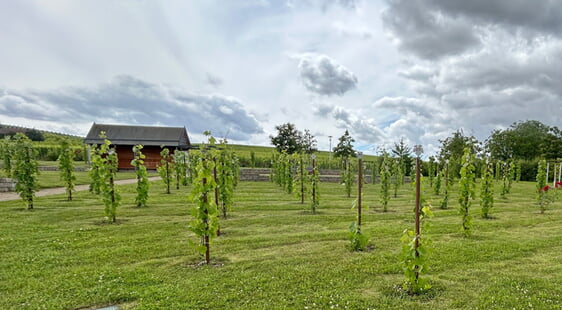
x=48 y=179
x=274 y=254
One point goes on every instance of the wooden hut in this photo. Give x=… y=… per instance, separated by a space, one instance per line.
x=152 y=138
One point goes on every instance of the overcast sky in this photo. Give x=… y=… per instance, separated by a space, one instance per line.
x=385 y=70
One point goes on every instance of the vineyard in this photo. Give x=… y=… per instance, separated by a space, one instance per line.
x=199 y=238
x=273 y=253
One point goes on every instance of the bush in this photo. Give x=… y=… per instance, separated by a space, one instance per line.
x=529 y=170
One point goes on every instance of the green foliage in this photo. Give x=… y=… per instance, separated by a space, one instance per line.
x=403 y=151
x=358 y=239
x=347 y=176
x=518 y=171
x=205 y=221
x=467 y=185
x=385 y=181
x=487 y=190
x=288 y=174
x=415 y=251
x=165 y=168
x=142 y=176
x=96 y=165
x=344 y=148
x=314 y=188
x=66 y=168
x=106 y=164
x=525 y=140
x=544 y=196
x=290 y=140
x=180 y=167
x=511 y=175
x=226 y=173
x=300 y=179
x=397 y=175
x=26 y=169
x=431 y=170
x=7 y=154
x=438 y=181
x=504 y=178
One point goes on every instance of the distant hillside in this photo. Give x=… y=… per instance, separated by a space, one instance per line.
x=38 y=134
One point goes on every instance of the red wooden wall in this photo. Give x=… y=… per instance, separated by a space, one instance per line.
x=152 y=153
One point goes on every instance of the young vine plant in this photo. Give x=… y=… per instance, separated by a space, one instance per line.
x=397 y=176
x=487 y=190
x=142 y=176
x=26 y=169
x=314 y=193
x=385 y=181
x=165 y=168
x=347 y=176
x=205 y=221
x=66 y=168
x=467 y=185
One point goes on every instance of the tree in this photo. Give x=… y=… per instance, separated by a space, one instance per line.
x=142 y=176
x=288 y=138
x=307 y=142
x=165 y=168
x=26 y=169
x=403 y=152
x=454 y=146
x=344 y=148
x=525 y=140
x=66 y=167
x=35 y=135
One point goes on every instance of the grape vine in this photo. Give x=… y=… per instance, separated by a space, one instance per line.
x=385 y=181
x=487 y=190
x=26 y=169
x=142 y=176
x=466 y=194
x=66 y=168
x=205 y=222
x=165 y=168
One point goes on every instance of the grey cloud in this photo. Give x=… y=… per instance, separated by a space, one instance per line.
x=129 y=100
x=427 y=33
x=541 y=16
x=322 y=109
x=321 y=75
x=213 y=80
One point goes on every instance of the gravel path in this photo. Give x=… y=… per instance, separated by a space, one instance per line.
x=5 y=196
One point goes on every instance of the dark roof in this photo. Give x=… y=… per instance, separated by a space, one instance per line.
x=145 y=135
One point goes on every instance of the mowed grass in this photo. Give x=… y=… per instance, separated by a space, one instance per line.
x=275 y=254
x=49 y=179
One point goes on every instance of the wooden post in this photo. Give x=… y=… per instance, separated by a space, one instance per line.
x=417 y=210
x=418 y=150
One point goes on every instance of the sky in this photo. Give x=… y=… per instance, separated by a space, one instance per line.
x=385 y=70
